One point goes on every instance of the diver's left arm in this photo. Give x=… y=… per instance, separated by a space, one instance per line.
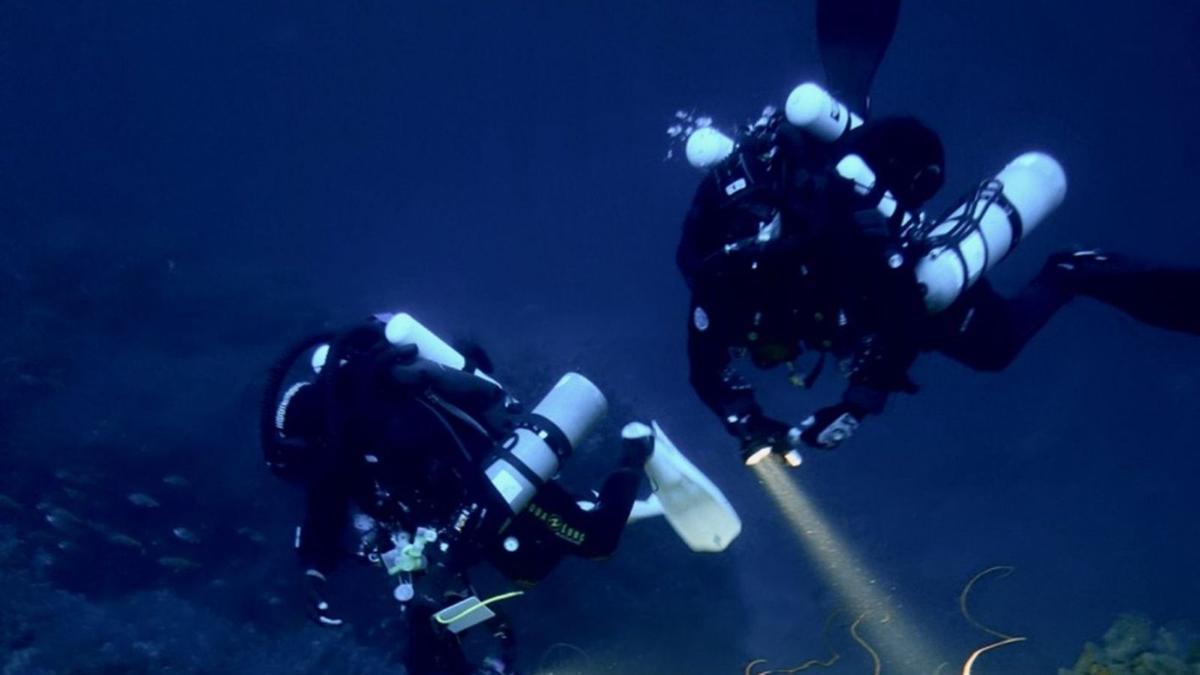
x=875 y=375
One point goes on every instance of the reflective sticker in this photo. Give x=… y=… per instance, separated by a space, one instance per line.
x=735 y=187
x=700 y=319
x=507 y=485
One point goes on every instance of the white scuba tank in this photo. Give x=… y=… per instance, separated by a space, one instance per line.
x=532 y=455
x=855 y=169
x=988 y=224
x=706 y=147
x=808 y=107
x=814 y=110
x=403 y=329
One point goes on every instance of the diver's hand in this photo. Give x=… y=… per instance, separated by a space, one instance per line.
x=318 y=607
x=759 y=431
x=829 y=427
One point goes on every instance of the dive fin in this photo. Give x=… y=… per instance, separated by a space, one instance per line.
x=644 y=509
x=692 y=504
x=853 y=36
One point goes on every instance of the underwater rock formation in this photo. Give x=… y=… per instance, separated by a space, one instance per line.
x=1135 y=646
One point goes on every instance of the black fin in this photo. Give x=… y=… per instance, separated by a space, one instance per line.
x=853 y=36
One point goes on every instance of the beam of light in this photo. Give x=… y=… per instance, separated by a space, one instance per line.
x=899 y=645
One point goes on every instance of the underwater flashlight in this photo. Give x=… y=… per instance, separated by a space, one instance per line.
x=754 y=456
x=793 y=458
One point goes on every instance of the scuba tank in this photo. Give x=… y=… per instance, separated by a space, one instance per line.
x=547 y=436
x=986 y=225
x=809 y=108
x=978 y=232
x=532 y=454
x=402 y=329
x=707 y=147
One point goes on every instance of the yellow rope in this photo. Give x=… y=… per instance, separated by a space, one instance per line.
x=975 y=654
x=481 y=605
x=812 y=663
x=858 y=638
x=1004 y=571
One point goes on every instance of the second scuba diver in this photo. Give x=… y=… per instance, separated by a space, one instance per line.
x=413 y=448
x=435 y=469
x=806 y=234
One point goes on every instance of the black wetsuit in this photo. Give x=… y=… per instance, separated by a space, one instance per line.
x=834 y=276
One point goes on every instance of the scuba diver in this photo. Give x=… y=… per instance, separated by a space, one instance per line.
x=807 y=234
x=434 y=468
x=412 y=451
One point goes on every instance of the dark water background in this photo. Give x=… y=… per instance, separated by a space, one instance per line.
x=186 y=186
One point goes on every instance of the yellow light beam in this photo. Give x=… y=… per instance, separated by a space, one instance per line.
x=859 y=588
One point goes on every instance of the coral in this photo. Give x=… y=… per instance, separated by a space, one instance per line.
x=1135 y=646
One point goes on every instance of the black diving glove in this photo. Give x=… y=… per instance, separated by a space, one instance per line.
x=318 y=607
x=829 y=427
x=759 y=432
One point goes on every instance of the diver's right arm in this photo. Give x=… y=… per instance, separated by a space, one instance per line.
x=722 y=388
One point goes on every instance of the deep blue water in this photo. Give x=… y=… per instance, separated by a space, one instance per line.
x=186 y=187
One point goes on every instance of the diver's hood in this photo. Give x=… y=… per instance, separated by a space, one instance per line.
x=906 y=155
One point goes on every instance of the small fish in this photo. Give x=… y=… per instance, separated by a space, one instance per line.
x=145 y=501
x=72 y=477
x=175 y=480
x=63 y=520
x=176 y=564
x=253 y=535
x=118 y=539
x=74 y=494
x=184 y=534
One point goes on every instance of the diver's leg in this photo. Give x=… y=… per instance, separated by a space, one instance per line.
x=604 y=524
x=986 y=331
x=1166 y=297
x=505 y=661
x=431 y=648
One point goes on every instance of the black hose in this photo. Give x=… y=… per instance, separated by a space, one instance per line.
x=269 y=436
